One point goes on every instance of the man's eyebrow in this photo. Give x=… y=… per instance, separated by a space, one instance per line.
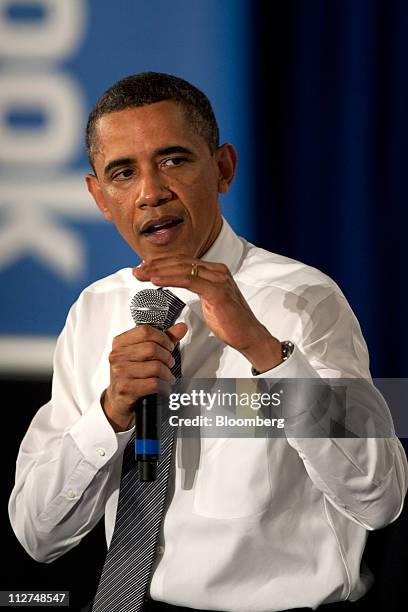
x=174 y=149
x=114 y=163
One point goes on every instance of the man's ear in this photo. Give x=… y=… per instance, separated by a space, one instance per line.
x=226 y=158
x=96 y=192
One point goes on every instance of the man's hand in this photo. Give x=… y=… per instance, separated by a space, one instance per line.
x=225 y=310
x=140 y=363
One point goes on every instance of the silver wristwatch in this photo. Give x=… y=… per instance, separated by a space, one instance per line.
x=287 y=349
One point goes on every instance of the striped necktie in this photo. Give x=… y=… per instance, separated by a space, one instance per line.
x=126 y=572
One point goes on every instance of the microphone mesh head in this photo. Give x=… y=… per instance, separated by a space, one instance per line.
x=151 y=307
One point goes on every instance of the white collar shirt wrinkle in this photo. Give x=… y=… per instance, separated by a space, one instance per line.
x=252 y=525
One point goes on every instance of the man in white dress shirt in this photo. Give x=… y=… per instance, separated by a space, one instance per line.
x=265 y=524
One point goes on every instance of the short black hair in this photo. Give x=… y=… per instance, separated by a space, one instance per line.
x=149 y=87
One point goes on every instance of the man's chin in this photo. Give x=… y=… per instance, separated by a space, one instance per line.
x=167 y=251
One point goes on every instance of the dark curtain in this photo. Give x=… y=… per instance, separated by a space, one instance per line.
x=331 y=101
x=330 y=180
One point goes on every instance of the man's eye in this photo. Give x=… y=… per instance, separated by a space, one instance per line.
x=173 y=161
x=123 y=174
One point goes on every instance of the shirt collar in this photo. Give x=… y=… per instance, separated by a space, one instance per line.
x=227 y=248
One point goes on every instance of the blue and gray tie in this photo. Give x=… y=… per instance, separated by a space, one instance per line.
x=126 y=572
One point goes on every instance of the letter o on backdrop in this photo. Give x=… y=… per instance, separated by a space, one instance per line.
x=54 y=36
x=55 y=96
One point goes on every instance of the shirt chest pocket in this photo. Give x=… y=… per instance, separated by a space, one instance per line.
x=233 y=478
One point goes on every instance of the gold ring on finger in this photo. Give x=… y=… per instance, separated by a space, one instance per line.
x=194 y=269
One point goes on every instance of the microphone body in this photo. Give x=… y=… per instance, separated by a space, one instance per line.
x=147 y=442
x=151 y=307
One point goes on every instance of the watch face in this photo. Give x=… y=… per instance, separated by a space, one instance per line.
x=287 y=349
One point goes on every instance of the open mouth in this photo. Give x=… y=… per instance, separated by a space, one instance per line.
x=163 y=224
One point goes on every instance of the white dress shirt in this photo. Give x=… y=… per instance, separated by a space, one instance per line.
x=257 y=524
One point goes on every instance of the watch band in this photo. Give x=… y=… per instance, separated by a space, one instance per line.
x=287 y=349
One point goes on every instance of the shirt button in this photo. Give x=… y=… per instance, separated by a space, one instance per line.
x=160 y=550
x=71 y=494
x=101 y=452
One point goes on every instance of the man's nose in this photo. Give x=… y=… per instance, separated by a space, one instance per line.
x=152 y=189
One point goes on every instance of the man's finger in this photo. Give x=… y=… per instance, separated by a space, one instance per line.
x=177 y=332
x=176 y=267
x=144 y=351
x=142 y=333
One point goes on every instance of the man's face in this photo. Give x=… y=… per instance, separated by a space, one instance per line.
x=157 y=180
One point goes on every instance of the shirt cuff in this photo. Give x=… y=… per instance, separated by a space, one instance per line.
x=296 y=366
x=306 y=401
x=95 y=438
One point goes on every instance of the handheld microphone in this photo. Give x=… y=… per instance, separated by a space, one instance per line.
x=151 y=307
